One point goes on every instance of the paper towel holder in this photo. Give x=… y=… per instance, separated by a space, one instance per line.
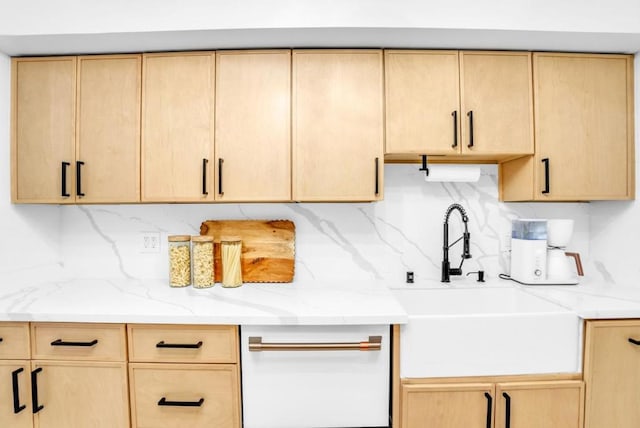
x=449 y=173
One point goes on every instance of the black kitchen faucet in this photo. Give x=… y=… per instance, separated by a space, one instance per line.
x=447 y=271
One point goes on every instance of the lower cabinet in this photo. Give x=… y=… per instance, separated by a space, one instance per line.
x=15 y=394
x=612 y=374
x=80 y=394
x=531 y=404
x=184 y=395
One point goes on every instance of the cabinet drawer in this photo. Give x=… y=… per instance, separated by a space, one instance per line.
x=186 y=344
x=184 y=395
x=90 y=342
x=14 y=343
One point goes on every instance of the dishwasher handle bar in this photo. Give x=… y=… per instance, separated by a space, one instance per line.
x=373 y=344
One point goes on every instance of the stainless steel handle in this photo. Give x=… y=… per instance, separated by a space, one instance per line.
x=373 y=344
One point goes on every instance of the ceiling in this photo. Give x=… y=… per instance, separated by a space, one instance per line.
x=417 y=38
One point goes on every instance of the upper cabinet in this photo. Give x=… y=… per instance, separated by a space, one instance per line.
x=584 y=131
x=338 y=125
x=108 y=129
x=452 y=103
x=253 y=126
x=67 y=147
x=177 y=127
x=43 y=129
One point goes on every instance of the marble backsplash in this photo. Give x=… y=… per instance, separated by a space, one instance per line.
x=333 y=240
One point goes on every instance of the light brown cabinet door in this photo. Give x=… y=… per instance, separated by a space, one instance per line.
x=447 y=405
x=584 y=126
x=422 y=102
x=337 y=125
x=15 y=414
x=108 y=128
x=553 y=404
x=612 y=374
x=496 y=103
x=253 y=126
x=177 y=126
x=185 y=395
x=81 y=395
x=43 y=130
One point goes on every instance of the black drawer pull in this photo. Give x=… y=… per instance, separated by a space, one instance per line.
x=164 y=402
x=220 y=162
x=470 y=114
x=545 y=161
x=507 y=411
x=635 y=342
x=161 y=344
x=64 y=193
x=60 y=342
x=489 y=407
x=79 y=178
x=34 y=391
x=455 y=129
x=204 y=176
x=1 y=339
x=17 y=408
x=377 y=180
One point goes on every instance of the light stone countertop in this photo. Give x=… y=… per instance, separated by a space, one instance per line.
x=299 y=303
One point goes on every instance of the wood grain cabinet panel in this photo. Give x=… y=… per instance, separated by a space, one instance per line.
x=177 y=126
x=553 y=404
x=10 y=416
x=447 y=405
x=337 y=125
x=612 y=374
x=182 y=343
x=253 y=126
x=85 y=342
x=496 y=103
x=81 y=394
x=14 y=341
x=584 y=131
x=422 y=97
x=108 y=128
x=43 y=129
x=158 y=390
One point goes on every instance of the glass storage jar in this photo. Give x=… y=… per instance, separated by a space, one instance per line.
x=231 y=250
x=202 y=261
x=179 y=260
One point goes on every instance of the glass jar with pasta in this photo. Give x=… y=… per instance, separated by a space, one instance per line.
x=202 y=261
x=231 y=250
x=179 y=260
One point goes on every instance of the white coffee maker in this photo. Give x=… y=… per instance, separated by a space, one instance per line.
x=538 y=254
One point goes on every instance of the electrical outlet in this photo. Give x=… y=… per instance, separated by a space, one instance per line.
x=150 y=242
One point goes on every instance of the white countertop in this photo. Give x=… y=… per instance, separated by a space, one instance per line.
x=299 y=303
x=153 y=301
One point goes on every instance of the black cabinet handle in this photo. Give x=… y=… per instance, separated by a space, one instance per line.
x=34 y=391
x=79 y=178
x=470 y=114
x=60 y=342
x=161 y=344
x=64 y=193
x=635 y=342
x=545 y=161
x=455 y=129
x=377 y=182
x=507 y=410
x=489 y=408
x=164 y=402
x=220 y=162
x=17 y=408
x=204 y=176
x=1 y=339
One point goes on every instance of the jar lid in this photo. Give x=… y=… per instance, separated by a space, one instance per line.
x=179 y=238
x=230 y=238
x=199 y=238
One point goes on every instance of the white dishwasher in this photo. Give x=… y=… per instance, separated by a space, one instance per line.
x=315 y=376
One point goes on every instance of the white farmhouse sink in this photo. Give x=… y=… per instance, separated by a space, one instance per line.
x=485 y=331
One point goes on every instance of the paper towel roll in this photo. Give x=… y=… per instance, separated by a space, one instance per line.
x=453 y=173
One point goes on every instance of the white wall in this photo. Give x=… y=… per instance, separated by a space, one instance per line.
x=97 y=16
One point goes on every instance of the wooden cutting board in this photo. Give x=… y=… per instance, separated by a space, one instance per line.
x=268 y=248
